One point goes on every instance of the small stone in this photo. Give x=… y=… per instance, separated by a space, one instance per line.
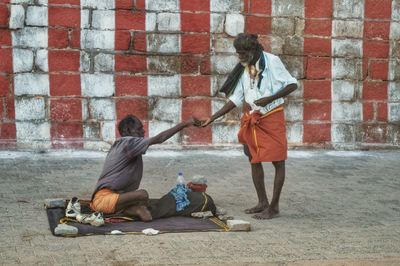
x=202 y=214
x=150 y=231
x=220 y=211
x=117 y=232
x=225 y=217
x=238 y=225
x=65 y=230
x=54 y=203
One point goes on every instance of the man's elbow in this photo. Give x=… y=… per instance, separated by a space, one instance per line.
x=293 y=87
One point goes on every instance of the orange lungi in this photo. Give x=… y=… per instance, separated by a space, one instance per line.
x=104 y=201
x=265 y=135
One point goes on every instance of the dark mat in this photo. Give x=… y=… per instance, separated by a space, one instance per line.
x=164 y=225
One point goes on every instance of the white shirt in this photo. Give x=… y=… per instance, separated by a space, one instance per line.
x=275 y=78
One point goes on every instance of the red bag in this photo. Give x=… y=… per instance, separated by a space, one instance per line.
x=197 y=187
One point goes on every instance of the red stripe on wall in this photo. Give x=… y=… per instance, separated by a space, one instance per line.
x=130 y=62
x=64 y=77
x=7 y=111
x=377 y=16
x=195 y=63
x=258 y=19
x=317 y=86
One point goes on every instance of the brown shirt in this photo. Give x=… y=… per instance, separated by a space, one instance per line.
x=123 y=167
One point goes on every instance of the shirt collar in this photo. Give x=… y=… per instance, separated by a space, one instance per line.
x=261 y=63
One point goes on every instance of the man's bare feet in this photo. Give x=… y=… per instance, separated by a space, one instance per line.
x=266 y=214
x=256 y=209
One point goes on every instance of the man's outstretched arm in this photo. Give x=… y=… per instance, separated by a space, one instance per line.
x=225 y=109
x=163 y=136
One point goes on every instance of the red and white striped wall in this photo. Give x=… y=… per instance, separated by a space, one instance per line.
x=70 y=70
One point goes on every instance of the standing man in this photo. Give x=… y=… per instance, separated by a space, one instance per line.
x=261 y=81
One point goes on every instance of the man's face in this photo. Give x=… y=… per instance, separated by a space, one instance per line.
x=138 y=131
x=245 y=56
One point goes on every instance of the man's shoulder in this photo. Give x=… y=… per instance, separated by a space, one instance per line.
x=128 y=138
x=270 y=56
x=122 y=142
x=130 y=142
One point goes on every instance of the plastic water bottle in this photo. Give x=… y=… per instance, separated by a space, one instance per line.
x=180 y=179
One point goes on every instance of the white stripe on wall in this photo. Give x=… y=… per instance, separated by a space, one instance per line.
x=347 y=45
x=294 y=110
x=394 y=69
x=97 y=61
x=225 y=20
x=31 y=78
x=163 y=19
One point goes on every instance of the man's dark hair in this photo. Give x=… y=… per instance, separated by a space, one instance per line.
x=127 y=124
x=249 y=43
x=246 y=42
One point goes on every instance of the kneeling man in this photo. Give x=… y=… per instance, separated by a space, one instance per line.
x=117 y=188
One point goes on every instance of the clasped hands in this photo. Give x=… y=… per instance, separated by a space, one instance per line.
x=198 y=122
x=205 y=122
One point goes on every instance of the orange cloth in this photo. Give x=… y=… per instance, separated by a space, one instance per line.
x=265 y=135
x=104 y=201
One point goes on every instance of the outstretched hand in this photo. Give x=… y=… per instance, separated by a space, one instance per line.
x=197 y=122
x=203 y=123
x=193 y=122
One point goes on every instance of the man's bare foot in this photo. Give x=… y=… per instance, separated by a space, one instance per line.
x=141 y=194
x=266 y=214
x=256 y=209
x=140 y=211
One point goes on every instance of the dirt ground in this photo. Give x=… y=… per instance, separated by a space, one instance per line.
x=337 y=208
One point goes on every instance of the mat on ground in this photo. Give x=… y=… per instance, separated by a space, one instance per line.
x=116 y=224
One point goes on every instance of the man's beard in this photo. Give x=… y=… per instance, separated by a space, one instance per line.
x=249 y=59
